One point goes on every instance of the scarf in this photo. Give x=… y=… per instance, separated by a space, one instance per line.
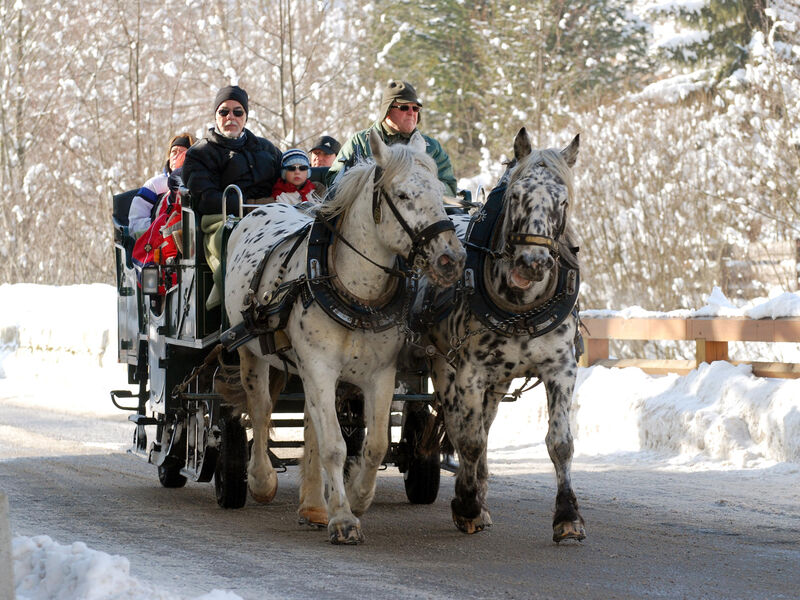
x=284 y=186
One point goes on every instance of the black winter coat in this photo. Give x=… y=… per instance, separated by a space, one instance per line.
x=213 y=163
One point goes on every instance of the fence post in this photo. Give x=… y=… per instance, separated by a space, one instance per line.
x=707 y=351
x=595 y=349
x=6 y=563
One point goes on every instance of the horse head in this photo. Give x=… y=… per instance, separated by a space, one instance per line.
x=539 y=190
x=416 y=225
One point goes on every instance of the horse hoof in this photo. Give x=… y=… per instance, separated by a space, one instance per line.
x=346 y=534
x=470 y=526
x=264 y=498
x=315 y=518
x=569 y=530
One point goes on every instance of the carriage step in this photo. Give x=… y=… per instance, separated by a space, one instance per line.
x=413 y=398
x=286 y=423
x=143 y=420
x=285 y=444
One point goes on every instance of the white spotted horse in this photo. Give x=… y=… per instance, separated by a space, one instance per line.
x=515 y=315
x=345 y=283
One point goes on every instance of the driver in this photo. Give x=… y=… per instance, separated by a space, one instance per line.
x=400 y=110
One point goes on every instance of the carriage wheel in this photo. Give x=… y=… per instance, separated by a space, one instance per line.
x=170 y=476
x=421 y=477
x=230 y=475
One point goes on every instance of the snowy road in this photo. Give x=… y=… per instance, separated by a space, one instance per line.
x=652 y=532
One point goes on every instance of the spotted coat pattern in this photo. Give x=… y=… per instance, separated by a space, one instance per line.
x=481 y=373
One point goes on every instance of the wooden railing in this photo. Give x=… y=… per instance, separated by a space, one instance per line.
x=711 y=336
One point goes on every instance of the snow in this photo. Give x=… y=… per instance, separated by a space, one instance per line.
x=45 y=569
x=782 y=304
x=717 y=418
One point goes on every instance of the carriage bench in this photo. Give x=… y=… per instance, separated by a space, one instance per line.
x=710 y=334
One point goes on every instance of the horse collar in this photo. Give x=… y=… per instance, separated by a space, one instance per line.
x=341 y=306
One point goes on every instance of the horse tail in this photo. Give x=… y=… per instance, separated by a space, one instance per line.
x=434 y=437
x=228 y=383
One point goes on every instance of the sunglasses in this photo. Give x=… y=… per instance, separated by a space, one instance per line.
x=406 y=107
x=237 y=112
x=297 y=168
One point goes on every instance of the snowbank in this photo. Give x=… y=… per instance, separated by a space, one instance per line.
x=46 y=570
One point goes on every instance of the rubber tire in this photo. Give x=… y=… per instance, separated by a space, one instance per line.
x=230 y=474
x=170 y=476
x=421 y=479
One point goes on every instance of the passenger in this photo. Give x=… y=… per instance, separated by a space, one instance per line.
x=143 y=206
x=229 y=154
x=324 y=151
x=294 y=186
x=400 y=110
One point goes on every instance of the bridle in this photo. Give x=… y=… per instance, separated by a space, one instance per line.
x=523 y=238
x=418 y=256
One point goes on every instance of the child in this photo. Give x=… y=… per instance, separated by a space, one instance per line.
x=294 y=185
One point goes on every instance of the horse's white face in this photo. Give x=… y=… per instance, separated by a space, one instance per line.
x=418 y=195
x=536 y=205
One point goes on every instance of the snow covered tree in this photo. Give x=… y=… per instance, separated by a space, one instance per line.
x=714 y=34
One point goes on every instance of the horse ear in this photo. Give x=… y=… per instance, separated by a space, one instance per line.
x=570 y=153
x=417 y=143
x=377 y=146
x=522 y=144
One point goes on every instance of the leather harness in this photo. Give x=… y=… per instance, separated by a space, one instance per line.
x=263 y=316
x=492 y=311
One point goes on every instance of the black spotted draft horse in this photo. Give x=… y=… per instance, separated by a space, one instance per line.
x=514 y=316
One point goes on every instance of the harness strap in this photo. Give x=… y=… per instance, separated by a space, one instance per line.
x=419 y=240
x=259 y=272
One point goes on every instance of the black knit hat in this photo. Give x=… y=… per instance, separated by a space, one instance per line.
x=397 y=91
x=328 y=145
x=181 y=140
x=231 y=92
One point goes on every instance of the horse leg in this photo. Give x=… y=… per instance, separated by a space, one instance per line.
x=463 y=414
x=567 y=521
x=262 y=481
x=363 y=472
x=320 y=391
x=312 y=511
x=491 y=402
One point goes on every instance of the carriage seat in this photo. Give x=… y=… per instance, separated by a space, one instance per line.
x=119 y=217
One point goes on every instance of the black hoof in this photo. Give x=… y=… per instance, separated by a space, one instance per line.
x=474 y=524
x=346 y=534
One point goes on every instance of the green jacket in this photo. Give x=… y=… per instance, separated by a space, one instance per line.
x=361 y=140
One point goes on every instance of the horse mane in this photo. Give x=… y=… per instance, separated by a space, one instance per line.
x=399 y=159
x=553 y=161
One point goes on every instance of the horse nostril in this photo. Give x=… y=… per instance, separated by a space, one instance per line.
x=444 y=260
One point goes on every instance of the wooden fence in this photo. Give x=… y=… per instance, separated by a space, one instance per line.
x=711 y=336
